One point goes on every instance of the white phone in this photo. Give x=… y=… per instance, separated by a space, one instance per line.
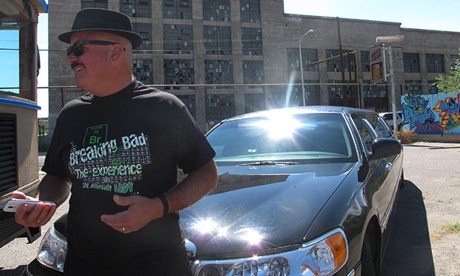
x=13 y=204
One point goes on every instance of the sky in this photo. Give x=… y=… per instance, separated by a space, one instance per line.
x=9 y=42
x=419 y=14
x=42 y=41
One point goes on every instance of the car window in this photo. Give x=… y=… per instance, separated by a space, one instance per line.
x=379 y=126
x=296 y=137
x=364 y=132
x=382 y=129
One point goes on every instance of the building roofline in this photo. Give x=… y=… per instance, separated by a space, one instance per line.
x=342 y=19
x=368 y=21
x=428 y=30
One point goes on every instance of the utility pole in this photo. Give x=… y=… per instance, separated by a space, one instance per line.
x=301 y=65
x=389 y=40
x=342 y=70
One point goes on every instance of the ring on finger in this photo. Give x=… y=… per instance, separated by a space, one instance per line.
x=123 y=229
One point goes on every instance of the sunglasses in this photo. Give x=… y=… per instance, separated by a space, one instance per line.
x=78 y=49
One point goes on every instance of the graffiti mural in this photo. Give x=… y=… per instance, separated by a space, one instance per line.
x=432 y=114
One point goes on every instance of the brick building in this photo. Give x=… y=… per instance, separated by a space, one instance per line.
x=227 y=57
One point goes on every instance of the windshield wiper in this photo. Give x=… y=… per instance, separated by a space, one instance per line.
x=268 y=163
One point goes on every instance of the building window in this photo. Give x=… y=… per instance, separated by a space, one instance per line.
x=309 y=56
x=136 y=8
x=253 y=71
x=432 y=88
x=312 y=91
x=143 y=70
x=411 y=62
x=434 y=63
x=335 y=89
x=413 y=87
x=219 y=107
x=145 y=31
x=285 y=97
x=177 y=39
x=375 y=91
x=216 y=10
x=177 y=9
x=334 y=60
x=365 y=61
x=251 y=40
x=219 y=71
x=218 y=40
x=190 y=103
x=250 y=11
x=179 y=71
x=254 y=102
x=454 y=62
x=94 y=4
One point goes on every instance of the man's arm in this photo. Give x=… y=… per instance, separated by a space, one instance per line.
x=196 y=185
x=51 y=188
x=142 y=210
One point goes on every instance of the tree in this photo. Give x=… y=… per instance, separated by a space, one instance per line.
x=450 y=82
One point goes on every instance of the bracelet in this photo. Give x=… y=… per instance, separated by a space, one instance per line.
x=165 y=204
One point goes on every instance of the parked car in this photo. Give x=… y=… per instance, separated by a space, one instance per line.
x=388 y=117
x=302 y=191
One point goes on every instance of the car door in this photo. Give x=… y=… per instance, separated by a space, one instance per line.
x=393 y=163
x=378 y=188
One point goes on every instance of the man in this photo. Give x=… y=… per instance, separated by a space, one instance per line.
x=119 y=147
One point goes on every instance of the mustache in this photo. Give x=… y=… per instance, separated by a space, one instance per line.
x=76 y=64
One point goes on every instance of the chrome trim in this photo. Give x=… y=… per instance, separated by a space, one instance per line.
x=190 y=247
x=352 y=272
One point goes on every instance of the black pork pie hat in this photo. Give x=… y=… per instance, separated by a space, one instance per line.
x=103 y=20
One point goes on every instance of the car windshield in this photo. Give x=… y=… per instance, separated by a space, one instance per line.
x=292 y=139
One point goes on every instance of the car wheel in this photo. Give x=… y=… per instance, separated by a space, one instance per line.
x=369 y=259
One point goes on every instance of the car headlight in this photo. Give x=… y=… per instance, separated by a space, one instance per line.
x=53 y=250
x=323 y=256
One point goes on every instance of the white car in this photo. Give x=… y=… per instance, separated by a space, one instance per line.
x=388 y=117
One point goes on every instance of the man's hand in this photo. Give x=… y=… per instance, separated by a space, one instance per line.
x=141 y=211
x=38 y=216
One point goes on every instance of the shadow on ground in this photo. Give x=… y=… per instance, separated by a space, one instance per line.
x=431 y=147
x=408 y=251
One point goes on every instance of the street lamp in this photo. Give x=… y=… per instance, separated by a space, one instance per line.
x=301 y=65
x=389 y=39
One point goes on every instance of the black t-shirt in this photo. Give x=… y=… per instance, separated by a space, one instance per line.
x=128 y=143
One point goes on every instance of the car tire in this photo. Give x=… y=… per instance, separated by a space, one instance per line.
x=369 y=262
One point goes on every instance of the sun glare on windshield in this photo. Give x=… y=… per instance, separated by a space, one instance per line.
x=280 y=126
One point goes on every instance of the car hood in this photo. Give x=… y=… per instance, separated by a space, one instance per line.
x=256 y=209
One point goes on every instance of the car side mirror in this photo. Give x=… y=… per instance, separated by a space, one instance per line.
x=384 y=147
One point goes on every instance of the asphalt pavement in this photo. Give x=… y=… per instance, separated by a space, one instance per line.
x=425 y=234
